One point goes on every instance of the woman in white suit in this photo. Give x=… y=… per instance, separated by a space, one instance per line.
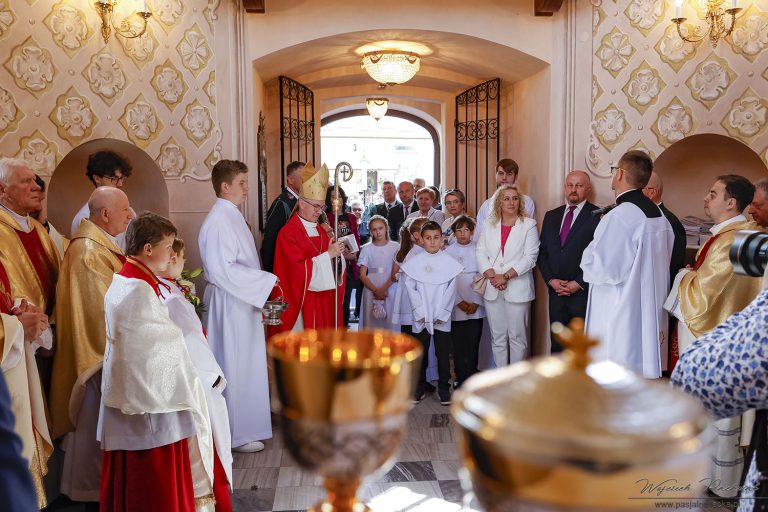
x=506 y=254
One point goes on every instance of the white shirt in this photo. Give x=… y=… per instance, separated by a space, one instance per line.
x=719 y=227
x=432 y=214
x=576 y=213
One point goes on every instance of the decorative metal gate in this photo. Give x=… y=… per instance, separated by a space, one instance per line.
x=297 y=120
x=477 y=141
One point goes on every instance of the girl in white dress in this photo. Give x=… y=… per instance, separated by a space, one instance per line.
x=375 y=263
x=410 y=246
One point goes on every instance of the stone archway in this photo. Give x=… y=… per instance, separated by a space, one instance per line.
x=70 y=187
x=688 y=168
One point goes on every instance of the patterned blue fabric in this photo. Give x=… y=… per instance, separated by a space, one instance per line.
x=727 y=370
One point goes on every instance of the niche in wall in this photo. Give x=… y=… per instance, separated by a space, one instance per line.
x=69 y=188
x=690 y=166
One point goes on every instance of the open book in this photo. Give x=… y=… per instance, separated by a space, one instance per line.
x=350 y=242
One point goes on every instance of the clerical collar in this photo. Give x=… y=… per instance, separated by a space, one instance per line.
x=307 y=223
x=22 y=220
x=625 y=192
x=719 y=227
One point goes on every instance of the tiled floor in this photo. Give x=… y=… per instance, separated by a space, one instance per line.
x=424 y=478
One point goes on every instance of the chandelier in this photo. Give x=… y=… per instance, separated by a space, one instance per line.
x=391 y=67
x=127 y=28
x=715 y=17
x=377 y=107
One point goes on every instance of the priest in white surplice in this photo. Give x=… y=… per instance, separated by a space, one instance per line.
x=236 y=292
x=627 y=268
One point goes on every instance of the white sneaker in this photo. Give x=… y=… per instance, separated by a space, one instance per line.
x=252 y=447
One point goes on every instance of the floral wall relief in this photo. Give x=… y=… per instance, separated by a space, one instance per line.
x=650 y=88
x=65 y=86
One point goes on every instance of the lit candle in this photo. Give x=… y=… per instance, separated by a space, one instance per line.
x=678 y=7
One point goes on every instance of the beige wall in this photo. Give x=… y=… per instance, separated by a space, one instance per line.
x=649 y=90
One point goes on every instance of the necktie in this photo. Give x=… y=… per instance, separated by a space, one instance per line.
x=405 y=211
x=566 y=225
x=388 y=206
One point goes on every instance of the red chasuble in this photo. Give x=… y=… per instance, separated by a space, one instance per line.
x=293 y=267
x=158 y=479
x=6 y=300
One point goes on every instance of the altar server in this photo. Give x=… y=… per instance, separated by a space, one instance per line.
x=183 y=314
x=627 y=268
x=375 y=263
x=430 y=280
x=237 y=290
x=468 y=312
x=153 y=424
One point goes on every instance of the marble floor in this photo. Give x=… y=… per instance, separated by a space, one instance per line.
x=424 y=478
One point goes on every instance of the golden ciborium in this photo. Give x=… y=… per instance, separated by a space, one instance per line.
x=561 y=433
x=343 y=399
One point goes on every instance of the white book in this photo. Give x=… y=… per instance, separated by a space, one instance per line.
x=350 y=242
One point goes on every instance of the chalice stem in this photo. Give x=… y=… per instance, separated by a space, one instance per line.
x=342 y=495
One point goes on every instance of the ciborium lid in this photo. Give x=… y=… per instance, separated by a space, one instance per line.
x=566 y=408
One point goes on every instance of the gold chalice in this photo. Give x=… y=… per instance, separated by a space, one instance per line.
x=343 y=398
x=562 y=433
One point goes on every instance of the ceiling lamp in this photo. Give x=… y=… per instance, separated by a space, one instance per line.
x=720 y=21
x=377 y=107
x=391 y=67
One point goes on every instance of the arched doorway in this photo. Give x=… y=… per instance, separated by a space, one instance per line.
x=146 y=187
x=400 y=146
x=689 y=166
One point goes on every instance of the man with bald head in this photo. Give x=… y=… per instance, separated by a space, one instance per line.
x=396 y=216
x=91 y=260
x=565 y=233
x=653 y=191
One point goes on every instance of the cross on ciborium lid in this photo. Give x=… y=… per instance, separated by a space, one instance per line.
x=576 y=340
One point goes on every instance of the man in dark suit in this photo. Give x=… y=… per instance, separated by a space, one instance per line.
x=653 y=191
x=396 y=216
x=279 y=213
x=565 y=233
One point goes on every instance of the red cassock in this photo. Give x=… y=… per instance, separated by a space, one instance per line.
x=158 y=479
x=293 y=267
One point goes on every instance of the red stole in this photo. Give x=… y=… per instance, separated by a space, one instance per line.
x=702 y=255
x=6 y=300
x=293 y=267
x=43 y=266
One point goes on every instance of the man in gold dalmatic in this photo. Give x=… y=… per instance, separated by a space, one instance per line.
x=31 y=262
x=89 y=264
x=709 y=293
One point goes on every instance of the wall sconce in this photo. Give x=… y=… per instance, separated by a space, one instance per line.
x=126 y=29
x=715 y=18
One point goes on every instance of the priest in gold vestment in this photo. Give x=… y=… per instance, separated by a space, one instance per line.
x=92 y=259
x=708 y=294
x=31 y=263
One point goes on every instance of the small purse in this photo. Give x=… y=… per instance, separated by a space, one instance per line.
x=480 y=282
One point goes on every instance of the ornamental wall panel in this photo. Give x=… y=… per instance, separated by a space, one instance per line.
x=61 y=85
x=651 y=89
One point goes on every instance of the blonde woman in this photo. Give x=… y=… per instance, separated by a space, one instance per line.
x=506 y=254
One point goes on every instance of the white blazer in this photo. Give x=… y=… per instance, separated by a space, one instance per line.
x=520 y=253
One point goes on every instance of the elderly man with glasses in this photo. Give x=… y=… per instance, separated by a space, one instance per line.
x=105 y=168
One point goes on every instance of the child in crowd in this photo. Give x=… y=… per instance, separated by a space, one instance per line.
x=430 y=281
x=375 y=263
x=467 y=318
x=410 y=246
x=183 y=314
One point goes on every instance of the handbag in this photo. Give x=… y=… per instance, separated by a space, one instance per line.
x=480 y=282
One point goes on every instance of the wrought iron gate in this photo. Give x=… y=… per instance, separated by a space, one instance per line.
x=297 y=120
x=477 y=141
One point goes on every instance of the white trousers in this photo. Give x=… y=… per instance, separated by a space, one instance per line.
x=510 y=330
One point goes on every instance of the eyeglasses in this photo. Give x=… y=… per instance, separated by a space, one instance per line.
x=318 y=206
x=615 y=168
x=115 y=180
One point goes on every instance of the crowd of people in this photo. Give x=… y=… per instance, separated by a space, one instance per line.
x=106 y=359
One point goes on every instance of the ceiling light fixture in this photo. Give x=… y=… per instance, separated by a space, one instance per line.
x=715 y=17
x=127 y=28
x=377 y=107
x=391 y=67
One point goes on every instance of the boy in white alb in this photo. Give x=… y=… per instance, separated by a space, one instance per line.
x=430 y=280
x=467 y=318
x=375 y=263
